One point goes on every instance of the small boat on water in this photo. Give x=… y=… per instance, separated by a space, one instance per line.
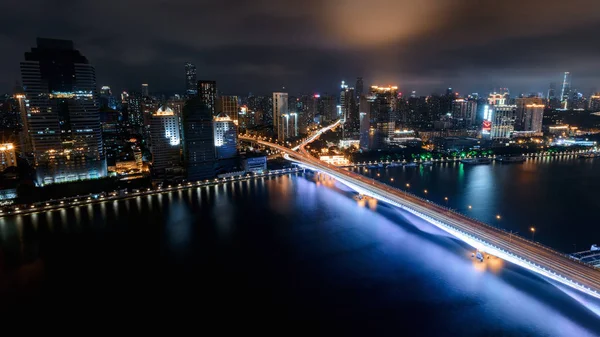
x=511 y=159
x=476 y=161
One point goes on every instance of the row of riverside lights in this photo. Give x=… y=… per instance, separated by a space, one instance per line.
x=61 y=204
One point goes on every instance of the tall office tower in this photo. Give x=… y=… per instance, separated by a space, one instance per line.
x=191 y=84
x=553 y=99
x=63 y=117
x=8 y=157
x=384 y=111
x=165 y=142
x=365 y=121
x=225 y=137
x=263 y=108
x=342 y=96
x=135 y=114
x=530 y=112
x=594 y=104
x=565 y=93
x=280 y=109
x=464 y=112
x=349 y=109
x=502 y=119
x=198 y=139
x=358 y=89
x=145 y=92
x=24 y=137
x=207 y=90
x=578 y=101
x=326 y=107
x=149 y=106
x=229 y=105
x=307 y=112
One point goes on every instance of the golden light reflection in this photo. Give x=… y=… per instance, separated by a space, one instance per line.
x=490 y=263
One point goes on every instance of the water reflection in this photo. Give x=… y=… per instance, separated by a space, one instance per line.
x=310 y=243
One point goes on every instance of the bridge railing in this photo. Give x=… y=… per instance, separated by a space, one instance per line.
x=479 y=222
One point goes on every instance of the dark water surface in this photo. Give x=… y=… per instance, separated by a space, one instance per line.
x=292 y=254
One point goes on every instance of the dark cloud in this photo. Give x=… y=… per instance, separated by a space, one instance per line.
x=311 y=45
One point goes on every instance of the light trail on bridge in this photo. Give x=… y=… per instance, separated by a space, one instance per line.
x=530 y=255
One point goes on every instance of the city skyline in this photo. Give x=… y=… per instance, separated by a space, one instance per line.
x=440 y=44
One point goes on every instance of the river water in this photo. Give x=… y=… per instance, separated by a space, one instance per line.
x=298 y=254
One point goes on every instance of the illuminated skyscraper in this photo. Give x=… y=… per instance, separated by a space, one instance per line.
x=280 y=109
x=384 y=112
x=24 y=136
x=8 y=157
x=63 y=117
x=207 y=91
x=229 y=106
x=225 y=137
x=365 y=121
x=594 y=104
x=566 y=90
x=530 y=112
x=145 y=92
x=191 y=84
x=165 y=141
x=502 y=118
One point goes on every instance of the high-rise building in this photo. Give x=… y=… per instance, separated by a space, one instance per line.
x=326 y=107
x=229 y=106
x=502 y=119
x=207 y=90
x=365 y=121
x=464 y=112
x=135 y=114
x=280 y=109
x=358 y=89
x=530 y=112
x=553 y=99
x=165 y=141
x=26 y=147
x=566 y=90
x=63 y=116
x=8 y=157
x=225 y=137
x=594 y=104
x=384 y=112
x=198 y=139
x=191 y=84
x=349 y=109
x=145 y=92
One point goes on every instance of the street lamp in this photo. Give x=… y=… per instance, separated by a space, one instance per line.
x=532 y=229
x=425 y=191
x=470 y=207
x=498 y=216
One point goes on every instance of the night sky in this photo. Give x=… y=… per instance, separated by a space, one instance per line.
x=310 y=45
